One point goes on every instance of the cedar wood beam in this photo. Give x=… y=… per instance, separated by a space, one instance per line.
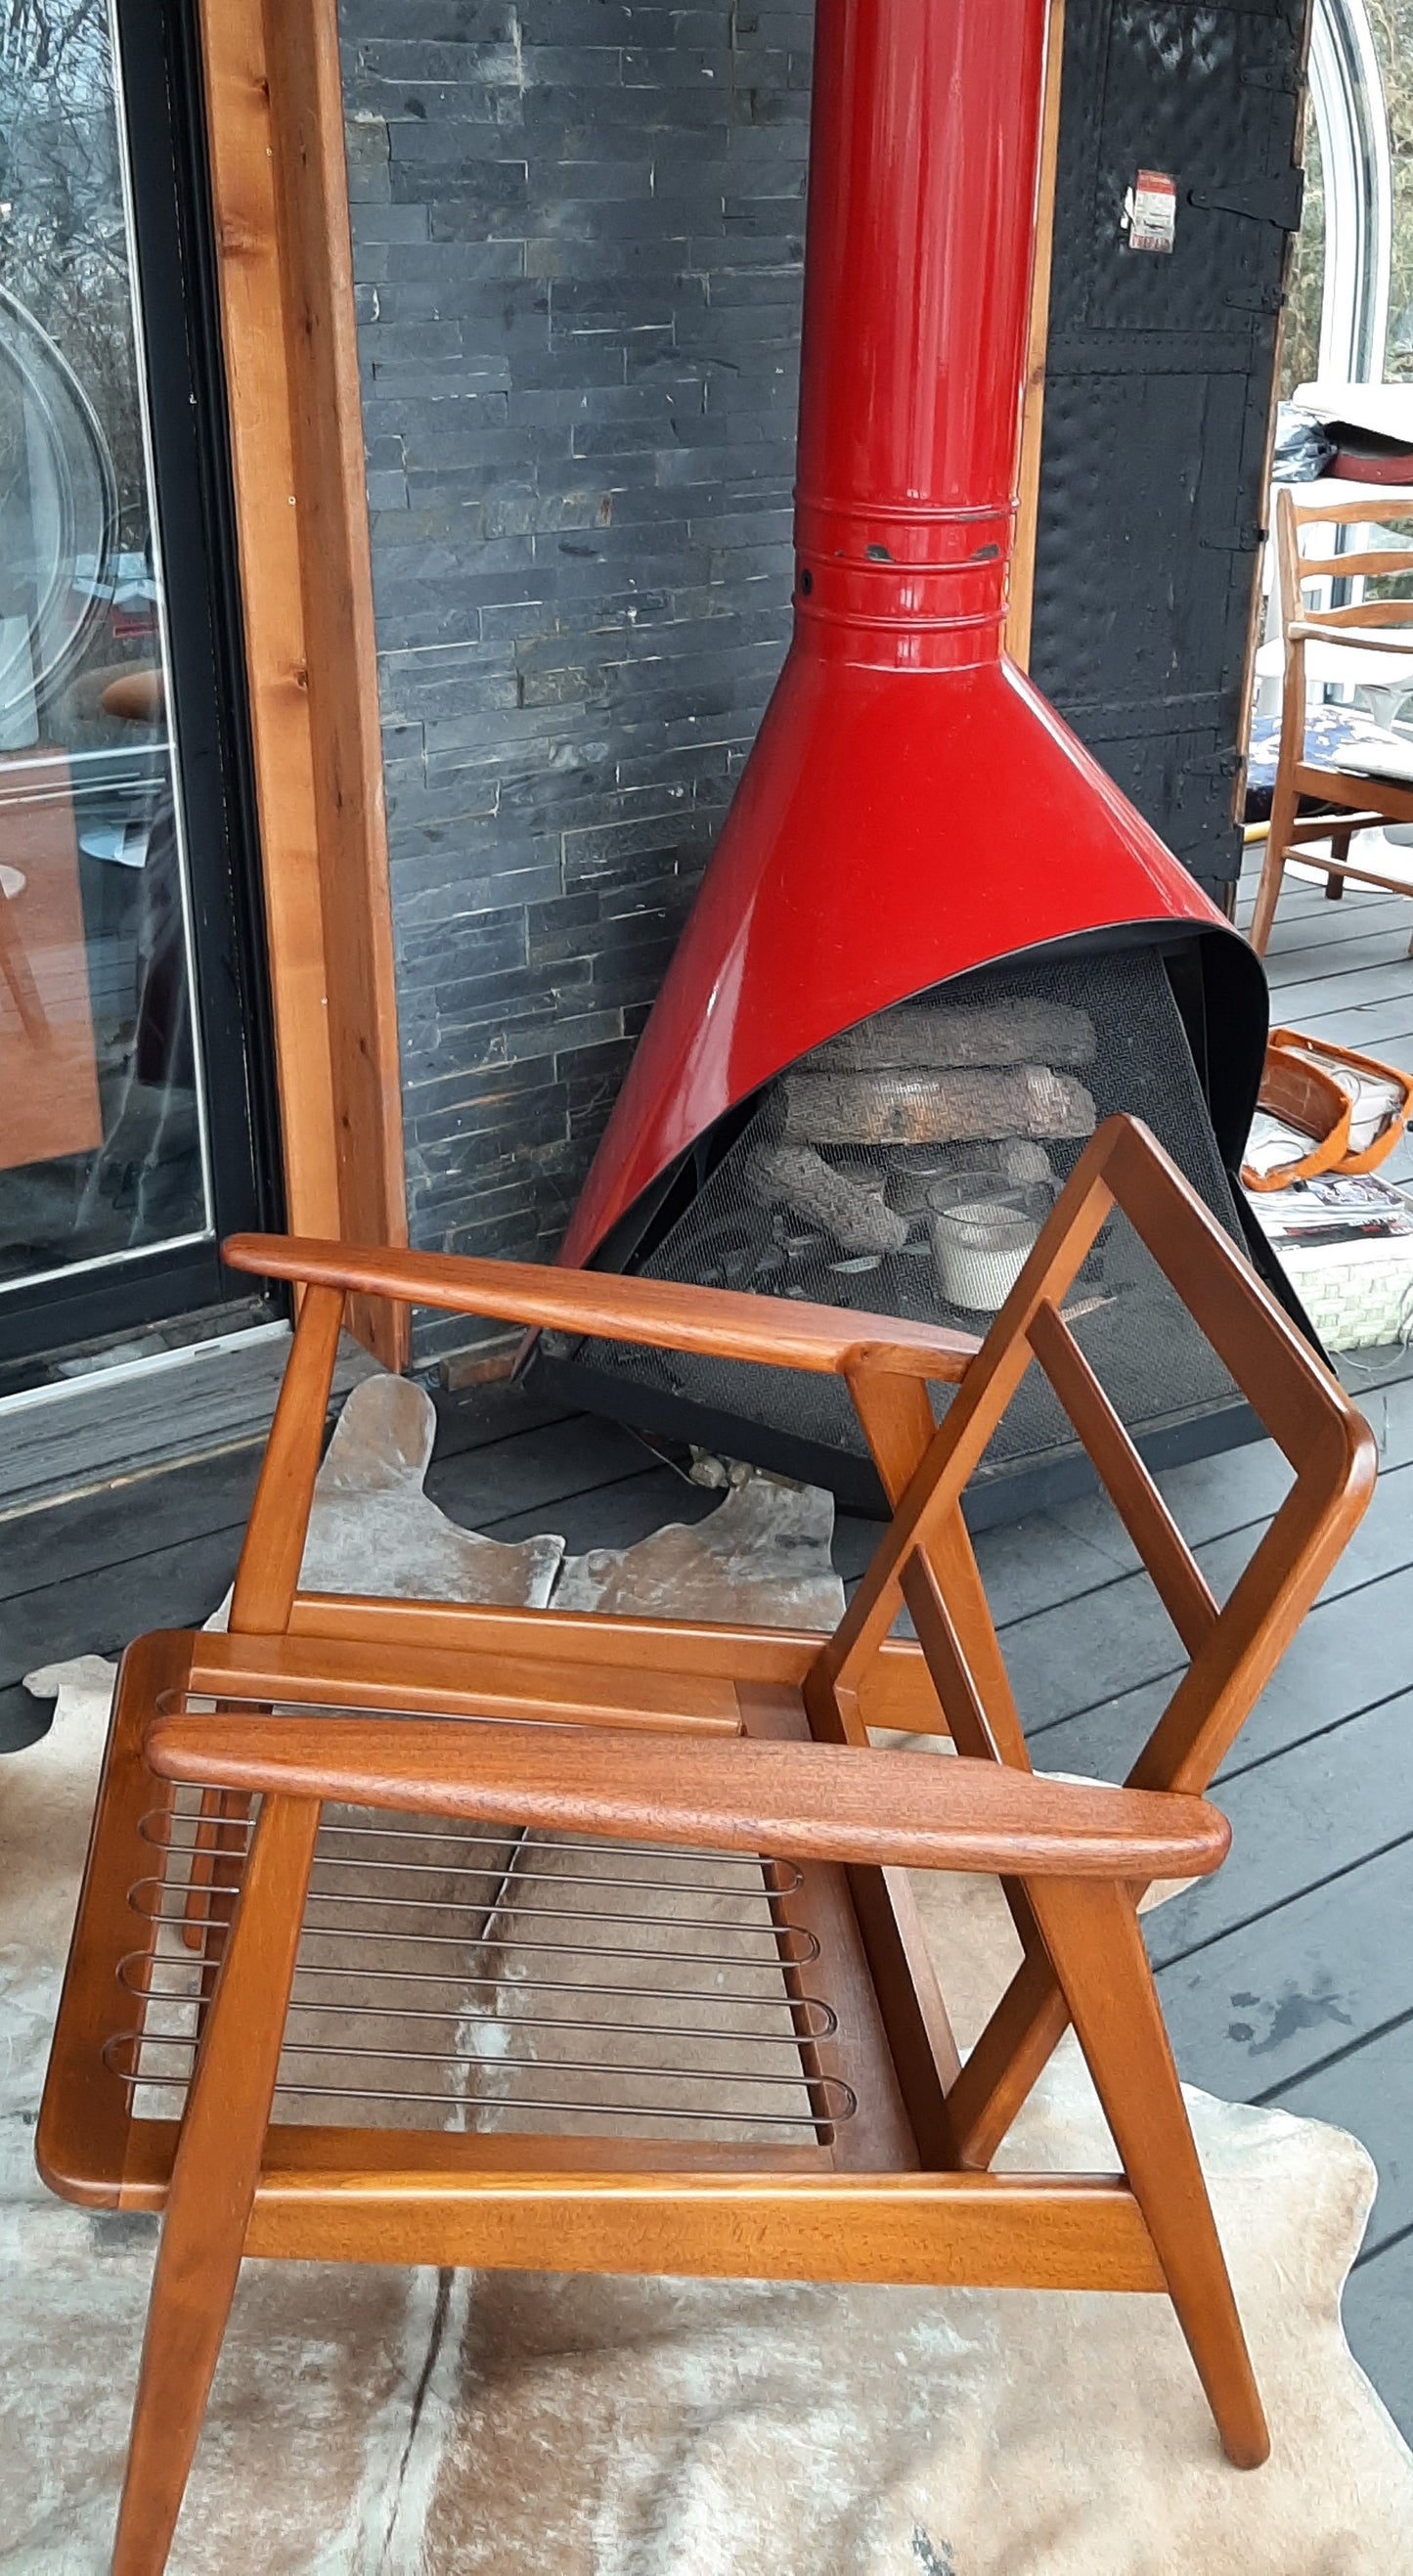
x=280 y=205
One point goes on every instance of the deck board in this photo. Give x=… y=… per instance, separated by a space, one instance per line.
x=60 y=1442
x=1369 y=2088
x=1378 y=2304
x=1343 y=1793
x=1318 y=1972
x=1351 y=1654
x=124 y=1521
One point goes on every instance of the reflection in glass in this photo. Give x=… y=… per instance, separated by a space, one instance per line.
x=101 y=1124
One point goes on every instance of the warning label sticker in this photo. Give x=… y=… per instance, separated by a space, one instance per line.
x=1150 y=211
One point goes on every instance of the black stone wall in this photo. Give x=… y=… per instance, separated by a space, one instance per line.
x=577 y=232
x=578 y=240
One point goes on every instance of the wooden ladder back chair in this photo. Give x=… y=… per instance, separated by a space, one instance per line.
x=1382 y=626
x=700 y=1747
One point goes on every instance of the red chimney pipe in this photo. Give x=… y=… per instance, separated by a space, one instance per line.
x=912 y=807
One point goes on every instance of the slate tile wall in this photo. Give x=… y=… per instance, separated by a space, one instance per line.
x=578 y=237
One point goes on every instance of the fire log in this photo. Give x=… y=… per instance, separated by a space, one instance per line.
x=793 y=1177
x=954 y=1034
x=1021 y=1159
x=934 y=1108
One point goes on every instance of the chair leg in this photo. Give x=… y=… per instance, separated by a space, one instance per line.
x=1285 y=806
x=213 y=2184
x=1090 y=1928
x=1268 y=892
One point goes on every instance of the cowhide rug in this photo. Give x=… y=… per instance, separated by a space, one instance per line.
x=371 y=2423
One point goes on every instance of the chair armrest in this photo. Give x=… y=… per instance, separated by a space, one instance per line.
x=718 y=1322
x=791 y=1800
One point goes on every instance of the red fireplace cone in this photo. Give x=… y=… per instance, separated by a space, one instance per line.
x=912 y=808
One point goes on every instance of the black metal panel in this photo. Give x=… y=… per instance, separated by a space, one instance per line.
x=1158 y=396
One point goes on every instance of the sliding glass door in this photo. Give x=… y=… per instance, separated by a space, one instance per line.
x=133 y=1127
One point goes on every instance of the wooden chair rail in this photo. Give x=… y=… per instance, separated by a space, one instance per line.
x=721 y=1323
x=1296 y=1398
x=795 y=1801
x=897 y=1693
x=298 y=483
x=310 y=2158
x=354 y=1673
x=1343 y=788
x=1069 y=2232
x=1316 y=827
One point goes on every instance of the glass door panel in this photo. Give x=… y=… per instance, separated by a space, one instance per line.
x=105 y=1066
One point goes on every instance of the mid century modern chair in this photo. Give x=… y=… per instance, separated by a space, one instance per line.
x=1364 y=644
x=677 y=1748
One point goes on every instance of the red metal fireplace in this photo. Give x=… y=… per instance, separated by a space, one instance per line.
x=915 y=827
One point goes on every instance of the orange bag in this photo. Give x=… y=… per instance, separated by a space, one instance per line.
x=1331 y=1058
x=1301 y=1096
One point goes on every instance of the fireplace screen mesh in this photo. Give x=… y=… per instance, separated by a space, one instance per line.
x=904 y=1169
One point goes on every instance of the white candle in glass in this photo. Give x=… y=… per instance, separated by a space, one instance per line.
x=981 y=1247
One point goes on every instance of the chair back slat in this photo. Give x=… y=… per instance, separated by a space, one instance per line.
x=970 y=1722
x=1359 y=617
x=1377 y=627
x=1185 y=1595
x=1227 y=1675
x=1291 y=1390
x=1295 y=568
x=1363 y=511
x=945 y=1466
x=1232 y=1648
x=1374 y=565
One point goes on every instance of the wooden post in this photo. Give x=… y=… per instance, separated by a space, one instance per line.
x=1022 y=590
x=280 y=206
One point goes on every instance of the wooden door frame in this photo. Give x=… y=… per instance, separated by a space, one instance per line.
x=1022 y=587
x=279 y=185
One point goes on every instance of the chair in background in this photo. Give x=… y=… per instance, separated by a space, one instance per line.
x=14 y=963
x=687 y=1748
x=1359 y=645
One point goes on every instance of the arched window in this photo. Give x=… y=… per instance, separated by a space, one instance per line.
x=1337 y=325
x=1347 y=101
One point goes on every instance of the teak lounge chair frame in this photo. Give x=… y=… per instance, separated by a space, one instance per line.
x=667 y=1736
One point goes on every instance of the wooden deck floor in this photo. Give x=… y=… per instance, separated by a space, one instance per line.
x=1289 y=1978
